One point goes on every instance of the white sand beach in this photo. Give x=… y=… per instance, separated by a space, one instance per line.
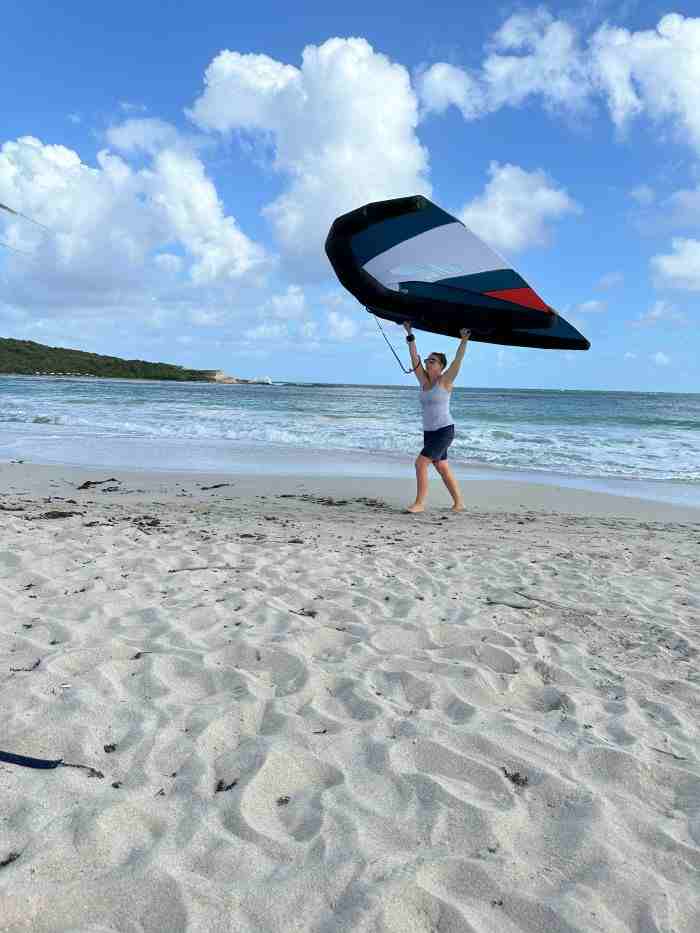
x=297 y=708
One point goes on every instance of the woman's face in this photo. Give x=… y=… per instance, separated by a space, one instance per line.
x=433 y=365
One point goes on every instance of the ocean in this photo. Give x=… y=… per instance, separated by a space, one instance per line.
x=648 y=443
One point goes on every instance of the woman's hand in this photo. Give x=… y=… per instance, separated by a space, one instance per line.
x=464 y=333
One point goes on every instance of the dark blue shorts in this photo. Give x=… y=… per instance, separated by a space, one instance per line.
x=435 y=443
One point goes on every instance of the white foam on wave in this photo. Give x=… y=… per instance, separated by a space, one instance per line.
x=362 y=419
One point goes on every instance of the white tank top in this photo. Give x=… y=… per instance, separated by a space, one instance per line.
x=435 y=404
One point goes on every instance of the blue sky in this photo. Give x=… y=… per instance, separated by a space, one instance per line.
x=188 y=161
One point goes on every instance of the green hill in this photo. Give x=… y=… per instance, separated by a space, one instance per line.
x=24 y=357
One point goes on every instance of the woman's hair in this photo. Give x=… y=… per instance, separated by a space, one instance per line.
x=442 y=358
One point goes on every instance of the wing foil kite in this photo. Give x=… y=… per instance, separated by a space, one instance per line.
x=408 y=260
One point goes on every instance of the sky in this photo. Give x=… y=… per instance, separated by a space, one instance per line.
x=186 y=162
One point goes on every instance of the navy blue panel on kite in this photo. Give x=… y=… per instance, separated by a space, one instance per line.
x=408 y=260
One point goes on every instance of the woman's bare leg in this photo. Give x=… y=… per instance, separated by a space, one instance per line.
x=422 y=464
x=449 y=480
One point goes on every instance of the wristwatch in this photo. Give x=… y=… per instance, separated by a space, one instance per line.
x=410 y=338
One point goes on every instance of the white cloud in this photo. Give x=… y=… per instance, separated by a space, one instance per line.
x=591 y=307
x=630 y=356
x=341 y=327
x=644 y=195
x=290 y=305
x=684 y=207
x=13 y=314
x=270 y=330
x=99 y=237
x=443 y=85
x=661 y=359
x=515 y=208
x=244 y=92
x=532 y=54
x=654 y=72
x=309 y=330
x=681 y=268
x=130 y=107
x=551 y=64
x=308 y=337
x=112 y=229
x=342 y=127
x=146 y=135
x=286 y=316
x=506 y=359
x=610 y=280
x=180 y=189
x=661 y=311
x=169 y=263
x=203 y=317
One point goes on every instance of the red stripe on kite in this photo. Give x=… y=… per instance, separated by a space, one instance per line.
x=521 y=296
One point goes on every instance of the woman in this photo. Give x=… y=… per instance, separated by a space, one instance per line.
x=438 y=427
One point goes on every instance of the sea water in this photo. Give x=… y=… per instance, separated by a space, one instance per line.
x=639 y=441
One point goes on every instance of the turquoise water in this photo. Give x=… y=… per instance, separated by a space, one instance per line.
x=650 y=437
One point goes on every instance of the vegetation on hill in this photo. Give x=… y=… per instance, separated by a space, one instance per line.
x=24 y=357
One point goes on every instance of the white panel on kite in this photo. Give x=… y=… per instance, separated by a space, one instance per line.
x=440 y=253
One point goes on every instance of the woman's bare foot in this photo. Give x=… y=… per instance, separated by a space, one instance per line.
x=458 y=506
x=416 y=507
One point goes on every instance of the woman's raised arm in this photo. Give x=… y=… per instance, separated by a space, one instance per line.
x=452 y=370
x=418 y=367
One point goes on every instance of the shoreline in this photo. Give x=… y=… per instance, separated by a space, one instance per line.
x=490 y=494
x=139 y=379
x=198 y=430
x=368 y=385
